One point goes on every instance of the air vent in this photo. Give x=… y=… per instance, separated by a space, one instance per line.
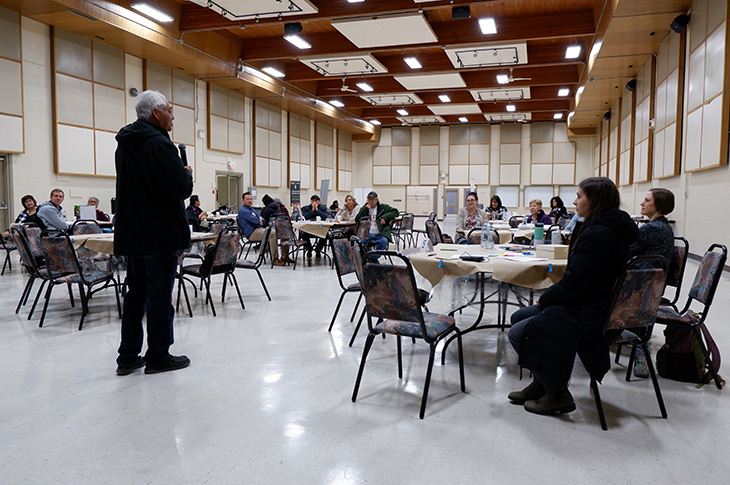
x=82 y=14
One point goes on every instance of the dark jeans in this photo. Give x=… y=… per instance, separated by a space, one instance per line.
x=381 y=243
x=519 y=320
x=319 y=242
x=150 y=280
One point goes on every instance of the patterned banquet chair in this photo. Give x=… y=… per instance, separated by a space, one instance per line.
x=286 y=237
x=255 y=265
x=89 y=257
x=634 y=306
x=391 y=296
x=64 y=268
x=417 y=232
x=31 y=267
x=219 y=259
x=347 y=261
x=403 y=231
x=8 y=246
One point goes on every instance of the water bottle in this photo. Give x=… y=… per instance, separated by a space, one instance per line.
x=485 y=236
x=555 y=237
x=641 y=369
x=539 y=237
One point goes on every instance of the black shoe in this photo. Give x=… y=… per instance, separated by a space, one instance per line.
x=172 y=362
x=125 y=370
x=550 y=404
x=533 y=392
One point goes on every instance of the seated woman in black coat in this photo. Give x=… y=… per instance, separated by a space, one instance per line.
x=570 y=315
x=655 y=236
x=557 y=208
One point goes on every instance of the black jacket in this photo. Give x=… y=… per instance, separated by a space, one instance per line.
x=152 y=185
x=271 y=209
x=574 y=310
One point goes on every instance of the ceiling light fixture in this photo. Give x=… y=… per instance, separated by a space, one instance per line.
x=152 y=12
x=355 y=1
x=558 y=116
x=444 y=98
x=298 y=41
x=272 y=71
x=511 y=108
x=463 y=119
x=488 y=26
x=572 y=52
x=365 y=87
x=563 y=92
x=413 y=62
x=571 y=114
x=580 y=90
x=402 y=112
x=502 y=78
x=337 y=103
x=375 y=122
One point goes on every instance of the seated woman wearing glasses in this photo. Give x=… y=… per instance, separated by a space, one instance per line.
x=655 y=236
x=569 y=317
x=469 y=217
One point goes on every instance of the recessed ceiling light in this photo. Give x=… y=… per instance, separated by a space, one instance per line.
x=365 y=87
x=444 y=98
x=339 y=104
x=355 y=1
x=152 y=12
x=572 y=52
x=298 y=41
x=463 y=119
x=272 y=71
x=402 y=112
x=488 y=26
x=563 y=92
x=412 y=62
x=571 y=114
x=502 y=78
x=375 y=122
x=580 y=90
x=511 y=108
x=558 y=116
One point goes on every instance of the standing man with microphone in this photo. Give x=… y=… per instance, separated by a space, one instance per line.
x=151 y=176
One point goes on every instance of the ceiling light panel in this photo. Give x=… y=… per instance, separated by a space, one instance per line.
x=455 y=109
x=375 y=122
x=356 y=64
x=392 y=99
x=503 y=78
x=508 y=116
x=558 y=116
x=152 y=12
x=488 y=55
x=402 y=112
x=431 y=81
x=272 y=71
x=511 y=108
x=248 y=9
x=404 y=29
x=488 y=26
x=337 y=103
x=365 y=87
x=505 y=94
x=464 y=119
x=412 y=62
x=572 y=52
x=419 y=120
x=444 y=98
x=298 y=41
x=563 y=92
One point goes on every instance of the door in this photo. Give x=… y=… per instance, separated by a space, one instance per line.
x=451 y=201
x=229 y=191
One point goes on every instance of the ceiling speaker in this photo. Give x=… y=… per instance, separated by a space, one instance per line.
x=631 y=85
x=679 y=23
x=607 y=115
x=460 y=13
x=292 y=28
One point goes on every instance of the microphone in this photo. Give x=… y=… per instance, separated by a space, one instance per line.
x=183 y=155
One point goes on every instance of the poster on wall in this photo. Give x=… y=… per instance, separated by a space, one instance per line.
x=294 y=193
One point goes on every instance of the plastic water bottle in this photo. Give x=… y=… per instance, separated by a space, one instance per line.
x=641 y=369
x=539 y=237
x=487 y=236
x=555 y=237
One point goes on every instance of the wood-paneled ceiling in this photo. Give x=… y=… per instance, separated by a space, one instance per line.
x=229 y=51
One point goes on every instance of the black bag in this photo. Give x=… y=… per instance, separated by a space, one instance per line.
x=207 y=264
x=681 y=357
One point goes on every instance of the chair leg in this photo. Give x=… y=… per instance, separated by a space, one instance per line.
x=619 y=346
x=185 y=293
x=45 y=305
x=630 y=365
x=337 y=309
x=24 y=295
x=70 y=295
x=261 y=279
x=365 y=350
x=357 y=328
x=235 y=284
x=461 y=360
x=400 y=359
x=208 y=297
x=35 y=302
x=431 y=353
x=654 y=381
x=7 y=261
x=354 y=310
x=599 y=406
x=116 y=294
x=84 y=297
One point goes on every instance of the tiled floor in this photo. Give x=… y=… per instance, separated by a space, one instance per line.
x=267 y=400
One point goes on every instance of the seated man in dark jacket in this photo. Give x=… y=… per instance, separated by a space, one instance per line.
x=194 y=214
x=310 y=213
x=380 y=216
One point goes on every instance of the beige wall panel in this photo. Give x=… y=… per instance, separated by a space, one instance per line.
x=183 y=129
x=275 y=145
x=386 y=137
x=429 y=135
x=159 y=78
x=262 y=142
x=715 y=68
x=11 y=134
x=458 y=154
x=381 y=155
x=73 y=54
x=564 y=152
x=75 y=150
x=673 y=87
x=509 y=154
x=11 y=101
x=541 y=174
x=479 y=154
x=641 y=160
x=73 y=101
x=306 y=151
x=509 y=174
x=711 y=133
x=479 y=134
x=560 y=132
x=542 y=153
x=401 y=175
x=511 y=133
x=542 y=132
x=295 y=171
x=693 y=134
x=105 y=147
x=306 y=174
x=183 y=89
x=429 y=175
x=108 y=65
x=381 y=175
x=659 y=145
x=262 y=171
x=698 y=23
x=295 y=146
x=459 y=135
x=275 y=119
x=236 y=106
x=262 y=114
x=402 y=137
x=563 y=174
x=219 y=101
x=480 y=174
x=696 y=82
x=9 y=34
x=236 y=136
x=716 y=12
x=218 y=132
x=109 y=108
x=459 y=175
x=275 y=173
x=429 y=155
x=401 y=155
x=624 y=160
x=661 y=105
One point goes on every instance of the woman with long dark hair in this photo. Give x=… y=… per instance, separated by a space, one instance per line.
x=497 y=211
x=557 y=208
x=570 y=315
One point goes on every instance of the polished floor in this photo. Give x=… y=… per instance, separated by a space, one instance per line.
x=267 y=400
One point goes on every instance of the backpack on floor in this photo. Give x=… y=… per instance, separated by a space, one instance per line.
x=681 y=357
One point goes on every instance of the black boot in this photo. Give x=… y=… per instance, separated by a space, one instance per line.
x=532 y=392
x=552 y=403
